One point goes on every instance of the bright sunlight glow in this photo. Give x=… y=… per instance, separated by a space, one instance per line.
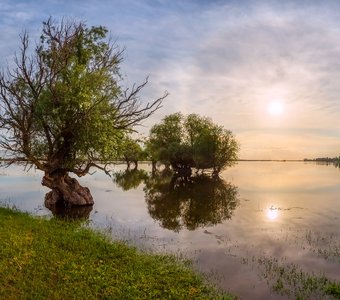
x=276 y=108
x=272 y=213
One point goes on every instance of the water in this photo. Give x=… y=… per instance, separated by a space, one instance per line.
x=247 y=231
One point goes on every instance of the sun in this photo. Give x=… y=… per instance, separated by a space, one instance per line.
x=272 y=213
x=276 y=108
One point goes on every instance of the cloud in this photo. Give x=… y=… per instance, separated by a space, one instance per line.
x=222 y=59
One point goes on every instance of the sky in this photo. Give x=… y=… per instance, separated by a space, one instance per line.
x=267 y=70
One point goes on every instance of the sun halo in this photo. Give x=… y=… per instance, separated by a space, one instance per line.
x=275 y=108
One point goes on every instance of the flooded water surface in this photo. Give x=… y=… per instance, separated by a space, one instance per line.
x=263 y=230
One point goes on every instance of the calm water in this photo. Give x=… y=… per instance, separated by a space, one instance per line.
x=262 y=220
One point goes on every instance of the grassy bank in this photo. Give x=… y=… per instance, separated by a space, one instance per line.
x=52 y=259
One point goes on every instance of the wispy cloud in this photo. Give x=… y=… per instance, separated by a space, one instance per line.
x=223 y=59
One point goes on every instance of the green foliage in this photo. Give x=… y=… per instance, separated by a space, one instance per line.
x=333 y=289
x=165 y=139
x=131 y=150
x=64 y=104
x=78 y=106
x=41 y=259
x=192 y=141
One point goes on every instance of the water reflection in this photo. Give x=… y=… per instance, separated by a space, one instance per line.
x=246 y=252
x=272 y=213
x=130 y=178
x=189 y=202
x=71 y=213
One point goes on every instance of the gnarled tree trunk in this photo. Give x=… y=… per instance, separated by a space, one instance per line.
x=66 y=191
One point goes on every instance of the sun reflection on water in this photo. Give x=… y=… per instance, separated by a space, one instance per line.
x=272 y=213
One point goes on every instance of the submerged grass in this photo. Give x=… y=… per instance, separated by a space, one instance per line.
x=289 y=280
x=54 y=259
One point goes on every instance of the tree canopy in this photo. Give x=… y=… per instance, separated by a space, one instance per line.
x=62 y=107
x=192 y=142
x=132 y=151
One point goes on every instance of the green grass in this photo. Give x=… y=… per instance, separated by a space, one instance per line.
x=289 y=280
x=54 y=259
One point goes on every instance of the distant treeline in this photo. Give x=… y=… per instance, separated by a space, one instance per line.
x=324 y=159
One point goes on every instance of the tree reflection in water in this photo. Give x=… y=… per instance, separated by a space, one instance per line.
x=129 y=179
x=70 y=213
x=189 y=202
x=337 y=163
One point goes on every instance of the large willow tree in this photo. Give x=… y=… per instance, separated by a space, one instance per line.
x=62 y=108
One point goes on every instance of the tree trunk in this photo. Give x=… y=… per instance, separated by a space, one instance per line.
x=154 y=166
x=66 y=191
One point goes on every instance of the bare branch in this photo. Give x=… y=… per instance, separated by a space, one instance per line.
x=82 y=172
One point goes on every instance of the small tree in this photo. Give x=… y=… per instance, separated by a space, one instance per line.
x=212 y=145
x=62 y=108
x=166 y=142
x=132 y=151
x=193 y=142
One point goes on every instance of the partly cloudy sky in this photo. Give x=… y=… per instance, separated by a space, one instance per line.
x=267 y=70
